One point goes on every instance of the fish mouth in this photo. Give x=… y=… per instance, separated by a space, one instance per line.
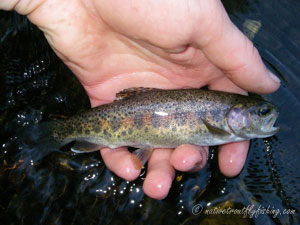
x=268 y=128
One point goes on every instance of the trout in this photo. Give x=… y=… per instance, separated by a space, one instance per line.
x=152 y=118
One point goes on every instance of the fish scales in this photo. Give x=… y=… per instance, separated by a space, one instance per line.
x=163 y=119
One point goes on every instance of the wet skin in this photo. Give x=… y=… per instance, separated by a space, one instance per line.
x=177 y=45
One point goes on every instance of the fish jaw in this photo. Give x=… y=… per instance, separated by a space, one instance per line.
x=268 y=129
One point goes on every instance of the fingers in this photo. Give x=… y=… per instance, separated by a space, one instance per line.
x=189 y=158
x=230 y=50
x=160 y=174
x=8 y=4
x=23 y=7
x=232 y=157
x=119 y=161
x=224 y=84
x=161 y=166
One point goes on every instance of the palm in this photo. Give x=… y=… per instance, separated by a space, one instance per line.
x=108 y=53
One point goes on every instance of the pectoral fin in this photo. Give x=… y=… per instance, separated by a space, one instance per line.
x=85 y=146
x=141 y=156
x=216 y=130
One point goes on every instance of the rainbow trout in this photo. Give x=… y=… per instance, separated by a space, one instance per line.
x=153 y=118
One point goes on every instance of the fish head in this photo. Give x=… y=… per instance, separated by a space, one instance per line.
x=253 y=120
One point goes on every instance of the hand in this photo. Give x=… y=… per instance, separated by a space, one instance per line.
x=113 y=45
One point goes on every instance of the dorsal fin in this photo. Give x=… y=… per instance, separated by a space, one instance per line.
x=57 y=117
x=130 y=92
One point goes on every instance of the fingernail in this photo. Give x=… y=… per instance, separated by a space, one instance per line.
x=274 y=77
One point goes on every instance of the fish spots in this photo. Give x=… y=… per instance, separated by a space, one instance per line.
x=80 y=130
x=87 y=131
x=123 y=133
x=130 y=131
x=155 y=121
x=103 y=115
x=180 y=118
x=192 y=124
x=96 y=128
x=138 y=121
x=166 y=124
x=216 y=115
x=200 y=116
x=105 y=132
x=116 y=124
x=99 y=115
x=146 y=130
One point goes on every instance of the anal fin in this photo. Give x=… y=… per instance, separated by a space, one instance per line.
x=140 y=157
x=85 y=146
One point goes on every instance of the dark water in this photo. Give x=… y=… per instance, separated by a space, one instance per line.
x=42 y=185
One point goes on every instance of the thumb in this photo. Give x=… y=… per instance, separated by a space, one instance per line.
x=232 y=52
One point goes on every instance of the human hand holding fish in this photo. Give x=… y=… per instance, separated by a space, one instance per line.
x=115 y=45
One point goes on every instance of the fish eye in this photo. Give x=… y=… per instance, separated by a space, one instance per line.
x=264 y=110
